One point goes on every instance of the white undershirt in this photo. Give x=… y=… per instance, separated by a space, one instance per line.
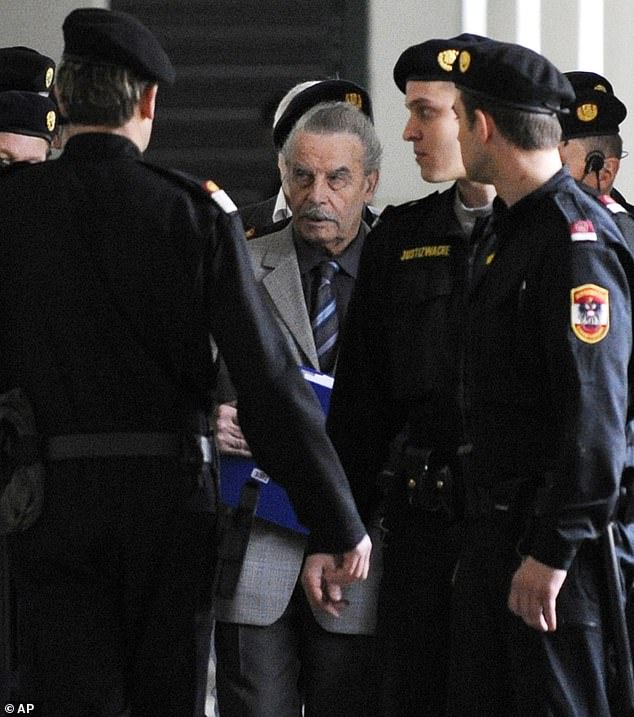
x=467 y=215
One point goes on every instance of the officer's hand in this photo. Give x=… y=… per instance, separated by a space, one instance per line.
x=320 y=594
x=227 y=431
x=533 y=594
x=351 y=566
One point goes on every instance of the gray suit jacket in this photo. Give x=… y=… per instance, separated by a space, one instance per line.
x=274 y=555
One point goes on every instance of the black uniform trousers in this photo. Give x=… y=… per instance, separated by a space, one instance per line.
x=419 y=559
x=329 y=673
x=112 y=586
x=517 y=671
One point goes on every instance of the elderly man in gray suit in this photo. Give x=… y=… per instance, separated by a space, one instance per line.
x=275 y=652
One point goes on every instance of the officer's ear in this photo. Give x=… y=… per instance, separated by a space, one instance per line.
x=483 y=125
x=607 y=173
x=147 y=102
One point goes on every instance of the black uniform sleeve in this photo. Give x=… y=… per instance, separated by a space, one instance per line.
x=588 y=375
x=359 y=420
x=278 y=411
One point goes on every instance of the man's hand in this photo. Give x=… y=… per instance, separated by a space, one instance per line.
x=324 y=574
x=353 y=565
x=227 y=431
x=320 y=595
x=533 y=594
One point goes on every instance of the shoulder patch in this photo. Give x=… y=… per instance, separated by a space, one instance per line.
x=222 y=199
x=580 y=227
x=611 y=204
x=582 y=230
x=590 y=312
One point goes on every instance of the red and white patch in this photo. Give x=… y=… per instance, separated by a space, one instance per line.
x=590 y=312
x=611 y=204
x=582 y=230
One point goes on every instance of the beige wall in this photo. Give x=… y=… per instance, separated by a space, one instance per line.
x=390 y=33
x=38 y=23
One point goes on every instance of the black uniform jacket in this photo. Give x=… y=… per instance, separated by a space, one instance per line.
x=113 y=274
x=400 y=358
x=550 y=340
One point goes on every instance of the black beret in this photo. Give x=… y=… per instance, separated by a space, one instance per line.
x=22 y=68
x=589 y=81
x=109 y=37
x=27 y=113
x=513 y=76
x=431 y=60
x=595 y=110
x=323 y=91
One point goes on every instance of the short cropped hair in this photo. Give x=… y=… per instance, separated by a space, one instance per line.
x=611 y=145
x=338 y=118
x=526 y=130
x=97 y=94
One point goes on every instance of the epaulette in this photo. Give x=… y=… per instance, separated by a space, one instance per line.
x=412 y=205
x=205 y=188
x=392 y=211
x=580 y=227
x=611 y=204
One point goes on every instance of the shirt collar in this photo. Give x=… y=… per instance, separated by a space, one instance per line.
x=309 y=256
x=281 y=210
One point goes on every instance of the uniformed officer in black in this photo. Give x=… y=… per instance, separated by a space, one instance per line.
x=398 y=377
x=28 y=122
x=25 y=69
x=28 y=116
x=113 y=274
x=591 y=143
x=549 y=328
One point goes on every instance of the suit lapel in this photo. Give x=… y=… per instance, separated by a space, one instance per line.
x=283 y=283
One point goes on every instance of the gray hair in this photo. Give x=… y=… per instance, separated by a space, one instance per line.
x=338 y=118
x=610 y=144
x=97 y=94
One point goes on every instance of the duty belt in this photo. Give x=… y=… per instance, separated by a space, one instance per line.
x=504 y=501
x=485 y=502
x=190 y=447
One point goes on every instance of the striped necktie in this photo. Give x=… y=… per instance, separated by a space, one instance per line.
x=324 y=321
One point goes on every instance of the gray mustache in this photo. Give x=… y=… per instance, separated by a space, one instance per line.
x=318 y=215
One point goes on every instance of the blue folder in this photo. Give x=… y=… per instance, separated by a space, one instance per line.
x=273 y=503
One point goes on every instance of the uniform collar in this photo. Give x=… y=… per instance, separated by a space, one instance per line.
x=504 y=215
x=97 y=146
